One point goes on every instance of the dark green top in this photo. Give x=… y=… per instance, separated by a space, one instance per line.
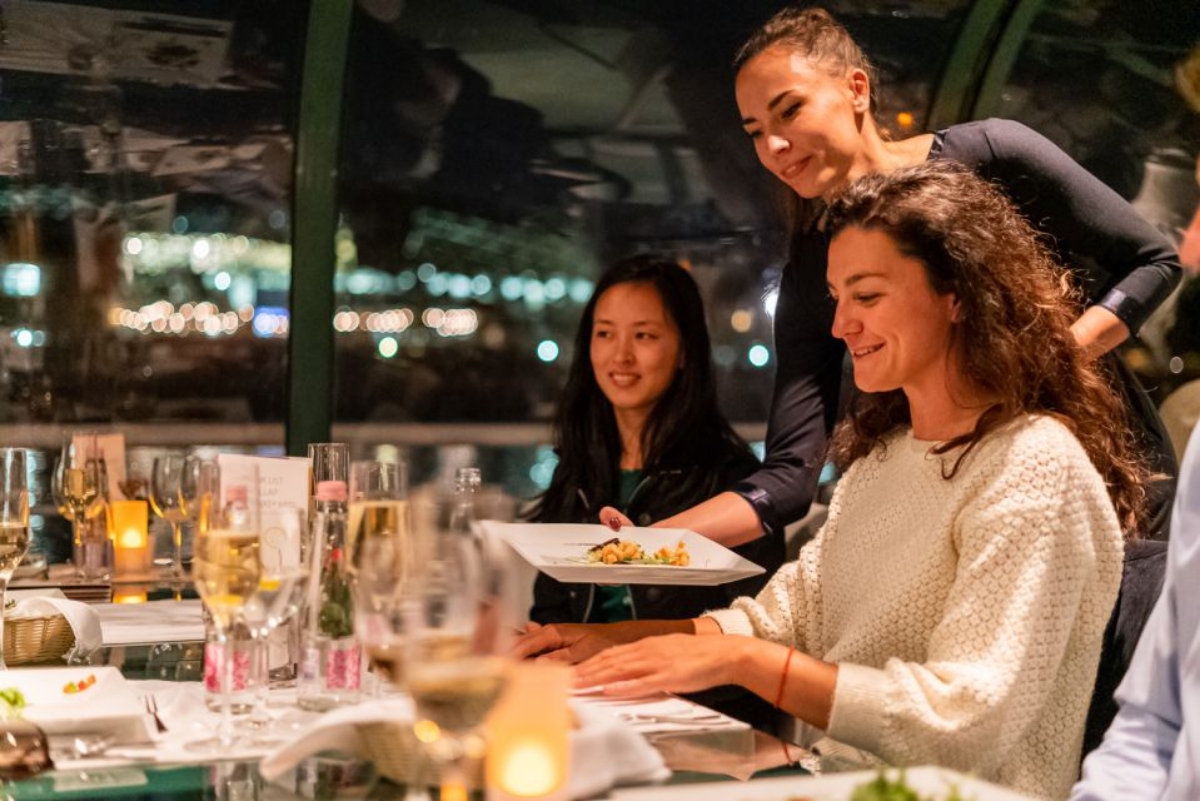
x=614 y=603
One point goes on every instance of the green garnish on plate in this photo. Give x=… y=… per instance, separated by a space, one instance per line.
x=13 y=701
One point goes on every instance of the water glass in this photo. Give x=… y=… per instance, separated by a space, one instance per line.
x=14 y=522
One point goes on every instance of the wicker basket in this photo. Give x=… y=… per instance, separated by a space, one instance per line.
x=398 y=756
x=30 y=640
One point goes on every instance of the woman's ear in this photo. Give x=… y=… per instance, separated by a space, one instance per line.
x=956 y=311
x=860 y=90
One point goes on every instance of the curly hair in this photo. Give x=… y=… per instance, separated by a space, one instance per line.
x=1013 y=342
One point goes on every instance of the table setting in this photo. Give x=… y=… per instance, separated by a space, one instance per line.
x=340 y=632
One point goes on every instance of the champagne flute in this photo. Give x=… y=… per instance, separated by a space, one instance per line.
x=78 y=489
x=167 y=500
x=14 y=523
x=227 y=572
x=457 y=642
x=381 y=561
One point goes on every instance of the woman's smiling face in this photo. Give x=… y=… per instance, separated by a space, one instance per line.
x=805 y=122
x=895 y=325
x=636 y=346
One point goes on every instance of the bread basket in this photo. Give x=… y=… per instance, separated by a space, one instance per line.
x=33 y=640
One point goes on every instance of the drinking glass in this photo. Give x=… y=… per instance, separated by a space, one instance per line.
x=282 y=551
x=227 y=573
x=381 y=561
x=199 y=485
x=78 y=488
x=167 y=500
x=457 y=638
x=14 y=523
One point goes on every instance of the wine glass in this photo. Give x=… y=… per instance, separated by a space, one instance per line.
x=457 y=640
x=14 y=523
x=281 y=588
x=167 y=500
x=379 y=537
x=227 y=573
x=78 y=488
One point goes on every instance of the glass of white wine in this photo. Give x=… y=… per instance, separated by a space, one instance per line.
x=167 y=477
x=457 y=640
x=78 y=488
x=14 y=523
x=379 y=535
x=227 y=572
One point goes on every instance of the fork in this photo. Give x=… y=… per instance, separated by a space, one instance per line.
x=152 y=708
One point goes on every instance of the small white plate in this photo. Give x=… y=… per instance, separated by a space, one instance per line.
x=560 y=551
x=110 y=706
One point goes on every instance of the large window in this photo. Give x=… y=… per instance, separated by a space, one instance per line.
x=1117 y=85
x=146 y=162
x=497 y=156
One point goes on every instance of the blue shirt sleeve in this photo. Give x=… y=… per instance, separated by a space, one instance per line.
x=1149 y=752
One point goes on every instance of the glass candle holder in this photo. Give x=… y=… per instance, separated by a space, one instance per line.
x=131 y=539
x=527 y=735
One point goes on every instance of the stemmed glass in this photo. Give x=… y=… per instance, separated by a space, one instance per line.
x=78 y=487
x=14 y=523
x=167 y=481
x=281 y=589
x=457 y=640
x=227 y=573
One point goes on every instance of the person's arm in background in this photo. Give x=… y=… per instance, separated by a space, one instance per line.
x=1135 y=759
x=1093 y=228
x=808 y=365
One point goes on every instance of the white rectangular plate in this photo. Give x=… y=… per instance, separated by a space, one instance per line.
x=931 y=782
x=560 y=551
x=109 y=706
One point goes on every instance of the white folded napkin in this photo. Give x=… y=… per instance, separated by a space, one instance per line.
x=604 y=751
x=80 y=616
x=152 y=622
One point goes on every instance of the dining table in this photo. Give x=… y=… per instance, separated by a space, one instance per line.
x=157 y=647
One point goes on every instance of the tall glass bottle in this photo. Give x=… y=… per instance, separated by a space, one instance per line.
x=331 y=657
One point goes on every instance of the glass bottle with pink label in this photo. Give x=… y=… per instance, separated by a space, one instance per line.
x=331 y=658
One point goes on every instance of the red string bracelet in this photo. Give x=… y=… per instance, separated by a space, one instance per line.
x=787 y=756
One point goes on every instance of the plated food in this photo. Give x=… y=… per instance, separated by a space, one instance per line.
x=627 y=552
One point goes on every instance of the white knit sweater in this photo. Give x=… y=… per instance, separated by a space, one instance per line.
x=965 y=615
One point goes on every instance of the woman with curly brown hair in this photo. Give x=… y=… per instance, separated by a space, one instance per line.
x=806 y=97
x=951 y=609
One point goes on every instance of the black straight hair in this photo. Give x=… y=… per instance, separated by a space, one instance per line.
x=680 y=429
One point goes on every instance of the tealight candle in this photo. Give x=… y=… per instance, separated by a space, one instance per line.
x=131 y=540
x=528 y=735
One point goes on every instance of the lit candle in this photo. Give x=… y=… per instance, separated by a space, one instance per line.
x=131 y=541
x=126 y=596
x=528 y=735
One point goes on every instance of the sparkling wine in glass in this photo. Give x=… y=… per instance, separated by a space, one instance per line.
x=14 y=522
x=382 y=561
x=227 y=573
x=78 y=488
x=456 y=664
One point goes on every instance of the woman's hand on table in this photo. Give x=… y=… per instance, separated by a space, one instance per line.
x=562 y=642
x=575 y=642
x=672 y=663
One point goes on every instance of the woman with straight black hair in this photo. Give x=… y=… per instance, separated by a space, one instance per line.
x=638 y=427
